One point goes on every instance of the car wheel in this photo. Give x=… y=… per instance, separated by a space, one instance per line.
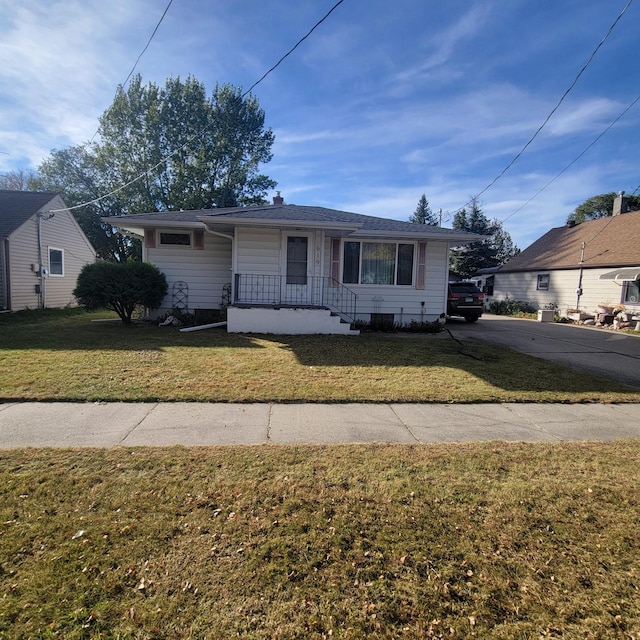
x=471 y=318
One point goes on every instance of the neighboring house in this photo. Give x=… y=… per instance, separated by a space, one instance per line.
x=284 y=268
x=41 y=253
x=578 y=267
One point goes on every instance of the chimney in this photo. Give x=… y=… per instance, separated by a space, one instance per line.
x=278 y=199
x=619 y=204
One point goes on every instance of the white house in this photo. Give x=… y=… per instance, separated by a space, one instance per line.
x=578 y=267
x=284 y=268
x=41 y=253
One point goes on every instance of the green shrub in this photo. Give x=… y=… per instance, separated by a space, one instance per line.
x=120 y=287
x=510 y=307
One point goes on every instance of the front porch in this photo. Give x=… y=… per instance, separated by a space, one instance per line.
x=291 y=305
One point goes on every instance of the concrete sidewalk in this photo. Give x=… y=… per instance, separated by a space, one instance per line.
x=63 y=424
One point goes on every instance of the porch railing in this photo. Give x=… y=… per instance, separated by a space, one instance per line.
x=299 y=291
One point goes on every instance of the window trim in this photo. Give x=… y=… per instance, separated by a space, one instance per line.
x=51 y=273
x=396 y=244
x=540 y=280
x=625 y=292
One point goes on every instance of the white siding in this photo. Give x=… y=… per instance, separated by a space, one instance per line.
x=562 y=288
x=205 y=271
x=258 y=251
x=405 y=302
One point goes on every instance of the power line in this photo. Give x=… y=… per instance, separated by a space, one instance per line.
x=630 y=106
x=295 y=46
x=202 y=131
x=137 y=60
x=564 y=95
x=148 y=43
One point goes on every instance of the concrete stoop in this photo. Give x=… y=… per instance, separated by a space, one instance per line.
x=287 y=321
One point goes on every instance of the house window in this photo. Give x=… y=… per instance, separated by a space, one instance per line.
x=382 y=263
x=543 y=282
x=183 y=239
x=56 y=262
x=297 y=248
x=632 y=292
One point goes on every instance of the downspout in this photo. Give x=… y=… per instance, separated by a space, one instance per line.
x=42 y=270
x=579 y=289
x=40 y=285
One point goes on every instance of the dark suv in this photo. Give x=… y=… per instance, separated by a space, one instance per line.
x=466 y=300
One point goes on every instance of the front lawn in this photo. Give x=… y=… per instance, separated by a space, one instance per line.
x=64 y=355
x=486 y=541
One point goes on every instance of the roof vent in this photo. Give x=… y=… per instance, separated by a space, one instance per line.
x=278 y=199
x=571 y=224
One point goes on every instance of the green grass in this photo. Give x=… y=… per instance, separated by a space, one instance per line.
x=506 y=541
x=63 y=355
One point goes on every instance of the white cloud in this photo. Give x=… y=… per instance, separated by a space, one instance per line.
x=441 y=47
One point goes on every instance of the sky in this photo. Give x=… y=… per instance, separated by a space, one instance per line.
x=383 y=102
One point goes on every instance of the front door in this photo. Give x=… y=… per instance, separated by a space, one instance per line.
x=297 y=281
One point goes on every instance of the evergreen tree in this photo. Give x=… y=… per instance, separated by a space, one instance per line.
x=423 y=213
x=495 y=250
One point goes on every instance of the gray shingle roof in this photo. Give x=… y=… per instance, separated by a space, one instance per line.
x=288 y=213
x=16 y=207
x=609 y=242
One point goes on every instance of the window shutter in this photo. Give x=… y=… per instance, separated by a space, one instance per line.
x=198 y=239
x=150 y=238
x=422 y=261
x=335 y=262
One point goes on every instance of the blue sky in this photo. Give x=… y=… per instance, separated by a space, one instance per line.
x=385 y=101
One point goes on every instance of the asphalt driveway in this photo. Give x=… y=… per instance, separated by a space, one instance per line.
x=605 y=352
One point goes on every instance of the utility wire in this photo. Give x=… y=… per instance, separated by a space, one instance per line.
x=574 y=160
x=202 y=131
x=295 y=46
x=564 y=95
x=148 y=43
x=136 y=63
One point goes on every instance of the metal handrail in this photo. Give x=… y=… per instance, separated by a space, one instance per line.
x=298 y=291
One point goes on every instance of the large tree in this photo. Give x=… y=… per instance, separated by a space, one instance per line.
x=423 y=213
x=18 y=180
x=163 y=149
x=492 y=252
x=601 y=206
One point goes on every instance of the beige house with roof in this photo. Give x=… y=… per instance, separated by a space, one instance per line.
x=42 y=250
x=285 y=268
x=578 y=267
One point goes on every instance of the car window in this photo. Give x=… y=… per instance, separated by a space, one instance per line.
x=464 y=287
